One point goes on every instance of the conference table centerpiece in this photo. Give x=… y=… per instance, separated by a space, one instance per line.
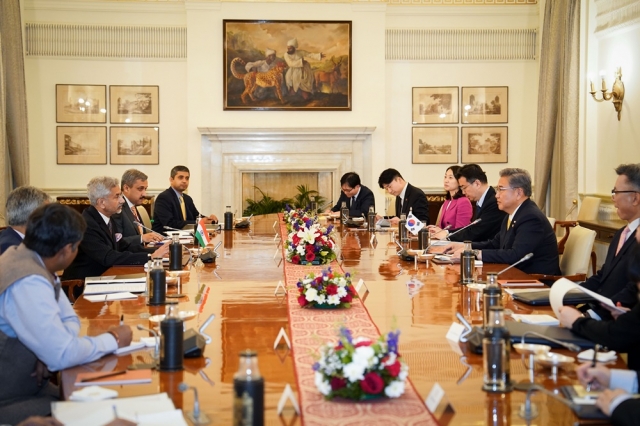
x=328 y=290
x=297 y=218
x=360 y=369
x=310 y=244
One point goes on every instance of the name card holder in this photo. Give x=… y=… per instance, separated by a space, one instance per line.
x=275 y=226
x=280 y=289
x=282 y=335
x=359 y=285
x=439 y=405
x=287 y=395
x=373 y=241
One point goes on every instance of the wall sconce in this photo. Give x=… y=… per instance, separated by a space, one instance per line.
x=616 y=95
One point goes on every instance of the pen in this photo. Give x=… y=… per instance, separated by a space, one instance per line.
x=593 y=364
x=115 y=412
x=122 y=319
x=103 y=376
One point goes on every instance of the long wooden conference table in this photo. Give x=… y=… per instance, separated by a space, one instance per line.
x=239 y=289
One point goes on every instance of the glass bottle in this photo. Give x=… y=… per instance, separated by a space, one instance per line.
x=248 y=392
x=371 y=219
x=314 y=206
x=171 y=340
x=228 y=219
x=467 y=264
x=424 y=238
x=496 y=347
x=175 y=253
x=491 y=296
x=344 y=212
x=403 y=233
x=158 y=289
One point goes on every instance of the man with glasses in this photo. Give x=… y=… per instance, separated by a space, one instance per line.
x=407 y=196
x=525 y=230
x=357 y=196
x=474 y=185
x=101 y=246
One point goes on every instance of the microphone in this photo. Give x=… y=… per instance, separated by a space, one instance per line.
x=528 y=409
x=526 y=257
x=571 y=346
x=436 y=233
x=135 y=222
x=207 y=338
x=464 y=227
x=156 y=352
x=195 y=416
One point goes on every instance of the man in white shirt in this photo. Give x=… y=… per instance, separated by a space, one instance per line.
x=299 y=76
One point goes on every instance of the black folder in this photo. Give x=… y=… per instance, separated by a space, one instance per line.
x=517 y=329
x=541 y=298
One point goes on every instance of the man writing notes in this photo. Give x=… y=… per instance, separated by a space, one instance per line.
x=407 y=196
x=358 y=197
x=38 y=327
x=474 y=185
x=20 y=203
x=134 y=189
x=525 y=230
x=101 y=247
x=174 y=208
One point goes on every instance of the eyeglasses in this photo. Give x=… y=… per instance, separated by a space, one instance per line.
x=500 y=189
x=615 y=191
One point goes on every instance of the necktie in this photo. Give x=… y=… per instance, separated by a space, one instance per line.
x=134 y=211
x=623 y=239
x=508 y=223
x=184 y=212
x=110 y=226
x=353 y=201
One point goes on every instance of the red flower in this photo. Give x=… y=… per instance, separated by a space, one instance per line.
x=347 y=299
x=319 y=280
x=302 y=300
x=332 y=289
x=309 y=248
x=310 y=257
x=301 y=289
x=351 y=290
x=295 y=259
x=363 y=343
x=393 y=369
x=319 y=237
x=338 y=383
x=372 y=384
x=295 y=239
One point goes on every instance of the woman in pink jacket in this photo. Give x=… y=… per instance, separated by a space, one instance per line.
x=456 y=211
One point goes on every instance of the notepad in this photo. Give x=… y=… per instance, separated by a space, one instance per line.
x=127 y=278
x=520 y=283
x=109 y=297
x=115 y=288
x=540 y=319
x=127 y=377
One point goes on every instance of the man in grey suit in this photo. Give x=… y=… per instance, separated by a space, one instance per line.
x=134 y=189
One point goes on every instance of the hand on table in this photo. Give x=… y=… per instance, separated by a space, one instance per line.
x=606 y=397
x=161 y=252
x=437 y=233
x=599 y=376
x=125 y=335
x=568 y=316
x=151 y=237
x=394 y=221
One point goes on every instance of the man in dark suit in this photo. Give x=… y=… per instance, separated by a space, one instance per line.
x=356 y=196
x=100 y=248
x=525 y=230
x=173 y=207
x=21 y=202
x=134 y=189
x=474 y=184
x=408 y=197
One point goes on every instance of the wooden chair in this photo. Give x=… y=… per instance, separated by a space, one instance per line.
x=144 y=216
x=577 y=250
x=68 y=286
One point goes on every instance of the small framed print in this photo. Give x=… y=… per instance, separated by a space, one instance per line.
x=81 y=145
x=135 y=145
x=435 y=105
x=435 y=145
x=77 y=103
x=484 y=144
x=134 y=104
x=485 y=104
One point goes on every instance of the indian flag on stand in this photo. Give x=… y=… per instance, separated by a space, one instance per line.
x=202 y=235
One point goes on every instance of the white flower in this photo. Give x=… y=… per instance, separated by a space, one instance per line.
x=342 y=282
x=311 y=295
x=404 y=372
x=342 y=292
x=391 y=360
x=394 y=390
x=321 y=298
x=300 y=250
x=354 y=371
x=308 y=235
x=307 y=281
x=365 y=355
x=323 y=385
x=333 y=299
x=325 y=278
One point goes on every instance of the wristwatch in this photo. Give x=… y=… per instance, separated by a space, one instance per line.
x=476 y=253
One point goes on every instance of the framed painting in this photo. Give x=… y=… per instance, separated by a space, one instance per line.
x=81 y=145
x=435 y=145
x=484 y=144
x=435 y=105
x=77 y=103
x=287 y=65
x=485 y=104
x=134 y=104
x=135 y=145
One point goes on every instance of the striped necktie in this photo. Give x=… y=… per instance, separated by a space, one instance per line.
x=184 y=212
x=134 y=211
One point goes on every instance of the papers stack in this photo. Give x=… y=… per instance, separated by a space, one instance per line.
x=601 y=357
x=536 y=319
x=133 y=283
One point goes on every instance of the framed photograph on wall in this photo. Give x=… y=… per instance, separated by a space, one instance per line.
x=78 y=103
x=435 y=105
x=81 y=145
x=484 y=144
x=286 y=65
x=485 y=104
x=135 y=145
x=134 y=104
x=435 y=145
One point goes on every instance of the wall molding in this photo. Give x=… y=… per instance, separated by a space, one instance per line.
x=105 y=41
x=461 y=44
x=612 y=15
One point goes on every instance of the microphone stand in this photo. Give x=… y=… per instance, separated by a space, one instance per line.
x=195 y=416
x=528 y=409
x=156 y=352
x=571 y=346
x=135 y=222
x=463 y=228
x=526 y=257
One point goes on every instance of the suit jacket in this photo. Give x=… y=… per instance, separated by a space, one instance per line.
x=415 y=199
x=131 y=237
x=627 y=413
x=530 y=232
x=98 y=250
x=611 y=280
x=167 y=212
x=489 y=226
x=364 y=199
x=9 y=237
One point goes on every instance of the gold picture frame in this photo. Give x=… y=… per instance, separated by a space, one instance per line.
x=81 y=144
x=435 y=105
x=434 y=145
x=485 y=144
x=134 y=104
x=485 y=105
x=134 y=145
x=81 y=103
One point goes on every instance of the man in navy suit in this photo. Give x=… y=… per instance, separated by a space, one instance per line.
x=525 y=230
x=408 y=197
x=173 y=207
x=134 y=190
x=20 y=203
x=102 y=245
x=357 y=196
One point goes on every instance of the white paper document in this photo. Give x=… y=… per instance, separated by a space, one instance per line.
x=539 y=319
x=109 y=297
x=563 y=285
x=115 y=288
x=127 y=278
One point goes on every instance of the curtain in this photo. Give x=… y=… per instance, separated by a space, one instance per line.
x=556 y=166
x=14 y=142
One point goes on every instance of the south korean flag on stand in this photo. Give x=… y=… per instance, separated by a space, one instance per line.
x=413 y=224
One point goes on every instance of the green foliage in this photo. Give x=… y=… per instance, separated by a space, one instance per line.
x=304 y=196
x=266 y=205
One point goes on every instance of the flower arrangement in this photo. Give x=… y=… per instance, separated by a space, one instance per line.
x=310 y=244
x=297 y=218
x=360 y=369
x=328 y=289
